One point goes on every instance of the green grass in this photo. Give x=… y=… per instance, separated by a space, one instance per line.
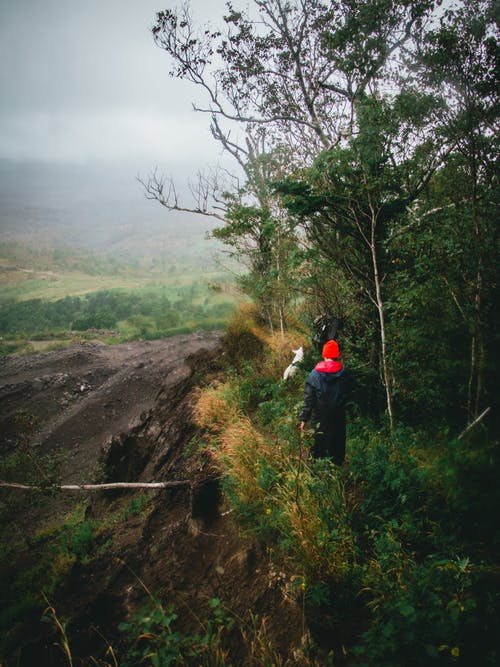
x=21 y=286
x=49 y=298
x=51 y=273
x=64 y=285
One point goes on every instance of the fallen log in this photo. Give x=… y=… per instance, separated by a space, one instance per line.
x=100 y=487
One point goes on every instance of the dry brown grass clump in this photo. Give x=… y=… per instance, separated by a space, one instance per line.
x=240 y=453
x=215 y=409
x=280 y=352
x=237 y=447
x=245 y=337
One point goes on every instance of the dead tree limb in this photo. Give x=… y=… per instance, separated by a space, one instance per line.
x=101 y=487
x=162 y=189
x=474 y=423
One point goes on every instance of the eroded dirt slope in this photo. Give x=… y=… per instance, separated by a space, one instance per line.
x=80 y=398
x=124 y=413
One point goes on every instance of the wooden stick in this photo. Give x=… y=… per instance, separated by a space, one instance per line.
x=476 y=421
x=102 y=487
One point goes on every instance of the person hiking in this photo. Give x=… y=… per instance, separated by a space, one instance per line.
x=325 y=395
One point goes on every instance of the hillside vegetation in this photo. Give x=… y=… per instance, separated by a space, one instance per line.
x=390 y=560
x=366 y=200
x=369 y=149
x=68 y=294
x=394 y=556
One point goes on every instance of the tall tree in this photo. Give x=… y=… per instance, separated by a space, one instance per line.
x=298 y=67
x=461 y=61
x=262 y=236
x=355 y=198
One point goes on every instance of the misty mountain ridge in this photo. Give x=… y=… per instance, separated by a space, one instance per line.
x=97 y=208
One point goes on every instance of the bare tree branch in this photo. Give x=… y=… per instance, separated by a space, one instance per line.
x=163 y=190
x=101 y=487
x=474 y=423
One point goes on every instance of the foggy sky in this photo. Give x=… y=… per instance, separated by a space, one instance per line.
x=83 y=82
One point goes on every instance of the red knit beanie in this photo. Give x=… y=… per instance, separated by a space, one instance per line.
x=331 y=350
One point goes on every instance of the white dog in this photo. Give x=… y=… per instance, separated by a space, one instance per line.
x=292 y=368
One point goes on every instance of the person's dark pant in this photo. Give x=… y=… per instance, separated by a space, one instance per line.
x=329 y=440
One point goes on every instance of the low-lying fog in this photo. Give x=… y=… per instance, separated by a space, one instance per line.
x=95 y=206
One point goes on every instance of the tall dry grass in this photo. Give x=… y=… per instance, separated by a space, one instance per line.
x=237 y=446
x=247 y=340
x=273 y=480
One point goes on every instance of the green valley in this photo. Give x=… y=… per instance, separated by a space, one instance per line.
x=62 y=294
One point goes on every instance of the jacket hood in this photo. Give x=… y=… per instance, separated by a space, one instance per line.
x=329 y=367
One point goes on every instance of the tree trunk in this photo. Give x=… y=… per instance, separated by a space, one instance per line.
x=386 y=376
x=478 y=362
x=472 y=376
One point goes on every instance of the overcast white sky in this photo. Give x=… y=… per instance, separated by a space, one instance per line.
x=83 y=81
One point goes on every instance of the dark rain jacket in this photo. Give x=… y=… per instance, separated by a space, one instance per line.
x=325 y=395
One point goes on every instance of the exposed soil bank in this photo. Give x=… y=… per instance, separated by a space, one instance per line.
x=124 y=413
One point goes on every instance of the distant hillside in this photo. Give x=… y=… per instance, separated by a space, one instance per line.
x=97 y=208
x=75 y=232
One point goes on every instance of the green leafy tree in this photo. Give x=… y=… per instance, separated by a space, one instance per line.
x=353 y=199
x=297 y=67
x=299 y=72
x=260 y=234
x=461 y=64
